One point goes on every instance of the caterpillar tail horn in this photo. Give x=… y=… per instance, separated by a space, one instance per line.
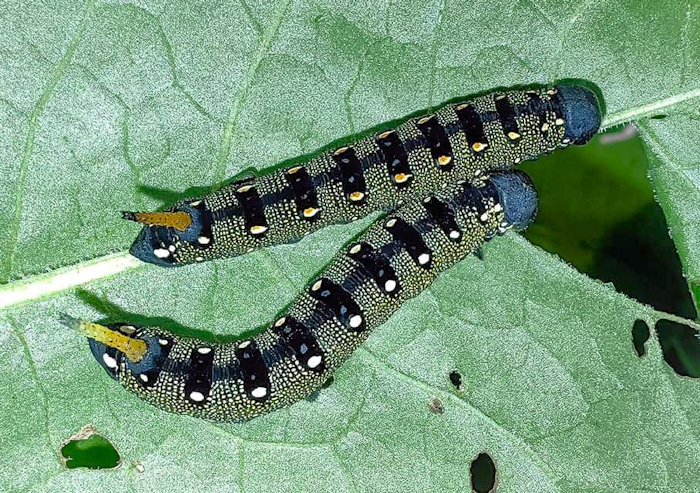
x=180 y=220
x=133 y=348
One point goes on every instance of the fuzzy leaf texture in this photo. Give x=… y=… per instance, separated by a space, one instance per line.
x=102 y=100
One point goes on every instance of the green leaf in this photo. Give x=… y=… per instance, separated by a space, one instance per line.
x=109 y=106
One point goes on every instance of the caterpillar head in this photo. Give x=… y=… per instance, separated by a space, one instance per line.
x=581 y=112
x=518 y=196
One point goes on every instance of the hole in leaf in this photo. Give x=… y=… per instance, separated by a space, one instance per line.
x=88 y=449
x=456 y=379
x=681 y=347
x=483 y=472
x=640 y=335
x=659 y=117
x=435 y=406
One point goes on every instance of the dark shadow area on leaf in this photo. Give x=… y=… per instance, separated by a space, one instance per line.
x=89 y=450
x=483 y=473
x=314 y=395
x=680 y=345
x=640 y=335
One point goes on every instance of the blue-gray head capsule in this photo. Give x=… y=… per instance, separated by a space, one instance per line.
x=518 y=196
x=581 y=112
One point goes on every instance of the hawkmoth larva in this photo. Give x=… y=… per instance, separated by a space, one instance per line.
x=487 y=133
x=395 y=259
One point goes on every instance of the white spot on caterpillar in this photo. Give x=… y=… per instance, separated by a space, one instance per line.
x=127 y=329
x=199 y=259
x=244 y=188
x=340 y=151
x=427 y=200
x=462 y=106
x=244 y=345
x=454 y=234
x=144 y=378
x=423 y=258
x=551 y=92
x=280 y=321
x=259 y=392
x=477 y=172
x=356 y=196
x=203 y=240
x=163 y=342
x=204 y=350
x=386 y=134
x=195 y=203
x=566 y=141
x=484 y=217
x=316 y=286
x=311 y=211
x=293 y=170
x=171 y=248
x=559 y=121
x=545 y=126
x=196 y=396
x=314 y=361
x=513 y=135
x=389 y=285
x=499 y=96
x=516 y=160
x=161 y=253
x=425 y=119
x=498 y=208
x=390 y=223
x=258 y=230
x=355 y=321
x=109 y=361
x=355 y=249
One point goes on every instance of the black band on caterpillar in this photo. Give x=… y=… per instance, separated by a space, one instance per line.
x=458 y=142
x=358 y=291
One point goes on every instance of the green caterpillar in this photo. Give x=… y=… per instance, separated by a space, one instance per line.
x=447 y=176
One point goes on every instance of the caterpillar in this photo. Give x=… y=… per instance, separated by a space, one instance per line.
x=459 y=141
x=395 y=259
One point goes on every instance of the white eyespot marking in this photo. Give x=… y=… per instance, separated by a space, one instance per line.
x=389 y=285
x=454 y=234
x=317 y=285
x=144 y=378
x=462 y=106
x=427 y=200
x=566 y=141
x=552 y=92
x=244 y=188
x=280 y=322
x=504 y=224
x=195 y=203
x=479 y=146
x=203 y=240
x=444 y=160
x=127 y=329
x=258 y=230
x=545 y=127
x=163 y=342
x=355 y=321
x=516 y=160
x=244 y=345
x=356 y=196
x=425 y=119
x=311 y=211
x=258 y=392
x=499 y=97
x=293 y=170
x=386 y=134
x=314 y=361
x=196 y=396
x=340 y=151
x=109 y=361
x=355 y=249
x=484 y=217
x=161 y=253
x=513 y=135
x=171 y=248
x=559 y=121
x=423 y=258
x=199 y=259
x=390 y=223
x=204 y=350
x=497 y=208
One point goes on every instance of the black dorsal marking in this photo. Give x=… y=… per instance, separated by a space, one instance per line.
x=253 y=210
x=351 y=172
x=256 y=381
x=437 y=140
x=536 y=106
x=395 y=157
x=377 y=266
x=199 y=377
x=410 y=238
x=339 y=302
x=444 y=217
x=304 y=193
x=159 y=363
x=473 y=127
x=299 y=339
x=506 y=115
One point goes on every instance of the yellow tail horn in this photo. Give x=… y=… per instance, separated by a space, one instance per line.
x=179 y=220
x=134 y=349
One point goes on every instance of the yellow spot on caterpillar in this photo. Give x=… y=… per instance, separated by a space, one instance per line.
x=179 y=220
x=258 y=230
x=386 y=134
x=513 y=135
x=425 y=119
x=401 y=177
x=499 y=97
x=545 y=127
x=311 y=211
x=356 y=196
x=134 y=349
x=293 y=170
x=340 y=151
x=478 y=146
x=444 y=160
x=244 y=188
x=552 y=92
x=559 y=121
x=316 y=286
x=462 y=106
